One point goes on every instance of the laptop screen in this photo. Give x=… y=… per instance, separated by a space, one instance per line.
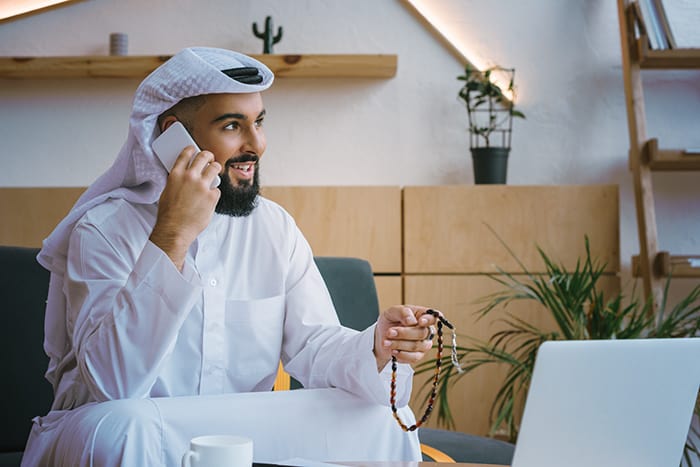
x=609 y=403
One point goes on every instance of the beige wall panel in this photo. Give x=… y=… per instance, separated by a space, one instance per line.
x=389 y=290
x=28 y=215
x=363 y=222
x=446 y=227
x=471 y=397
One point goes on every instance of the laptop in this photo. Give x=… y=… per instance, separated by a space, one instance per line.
x=600 y=403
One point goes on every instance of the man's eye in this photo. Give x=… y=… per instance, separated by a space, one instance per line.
x=259 y=122
x=232 y=126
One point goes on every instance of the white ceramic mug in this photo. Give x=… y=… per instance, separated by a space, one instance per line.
x=219 y=450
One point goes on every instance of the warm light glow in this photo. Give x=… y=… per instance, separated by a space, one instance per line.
x=12 y=8
x=429 y=11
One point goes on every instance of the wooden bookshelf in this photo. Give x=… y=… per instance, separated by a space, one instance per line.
x=645 y=156
x=676 y=266
x=139 y=66
x=667 y=59
x=669 y=159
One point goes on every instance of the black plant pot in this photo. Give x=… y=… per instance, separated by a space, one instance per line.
x=490 y=165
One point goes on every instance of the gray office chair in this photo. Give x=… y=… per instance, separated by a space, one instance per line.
x=25 y=392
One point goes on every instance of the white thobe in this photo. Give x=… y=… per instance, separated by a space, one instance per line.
x=249 y=295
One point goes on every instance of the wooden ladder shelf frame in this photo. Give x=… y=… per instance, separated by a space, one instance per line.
x=645 y=156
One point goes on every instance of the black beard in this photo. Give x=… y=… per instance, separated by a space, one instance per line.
x=239 y=200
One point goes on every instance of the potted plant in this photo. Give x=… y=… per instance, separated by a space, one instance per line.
x=580 y=311
x=490 y=113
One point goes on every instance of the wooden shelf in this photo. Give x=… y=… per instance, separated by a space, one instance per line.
x=665 y=264
x=138 y=67
x=669 y=59
x=645 y=157
x=669 y=159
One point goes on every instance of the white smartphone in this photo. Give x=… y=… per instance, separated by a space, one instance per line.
x=169 y=144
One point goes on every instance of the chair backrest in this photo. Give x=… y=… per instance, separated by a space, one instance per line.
x=25 y=392
x=350 y=282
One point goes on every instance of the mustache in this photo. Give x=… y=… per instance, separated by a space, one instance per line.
x=242 y=158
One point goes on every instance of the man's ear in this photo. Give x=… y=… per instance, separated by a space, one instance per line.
x=166 y=122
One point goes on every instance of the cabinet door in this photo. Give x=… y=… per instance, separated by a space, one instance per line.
x=362 y=222
x=447 y=229
x=29 y=215
x=457 y=296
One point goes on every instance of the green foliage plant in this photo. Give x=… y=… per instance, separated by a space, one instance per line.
x=489 y=110
x=580 y=310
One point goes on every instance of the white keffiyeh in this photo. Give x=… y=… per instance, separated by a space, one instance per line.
x=137 y=175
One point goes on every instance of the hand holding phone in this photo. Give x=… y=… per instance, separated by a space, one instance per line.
x=169 y=144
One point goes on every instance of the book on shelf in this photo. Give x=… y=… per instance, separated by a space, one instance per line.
x=665 y=25
x=652 y=24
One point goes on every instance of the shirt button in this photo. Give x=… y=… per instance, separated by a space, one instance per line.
x=213 y=282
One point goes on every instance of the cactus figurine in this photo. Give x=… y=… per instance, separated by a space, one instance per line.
x=269 y=39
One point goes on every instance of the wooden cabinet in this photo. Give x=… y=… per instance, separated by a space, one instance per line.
x=428 y=245
x=449 y=250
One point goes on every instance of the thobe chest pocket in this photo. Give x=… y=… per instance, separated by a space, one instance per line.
x=253 y=336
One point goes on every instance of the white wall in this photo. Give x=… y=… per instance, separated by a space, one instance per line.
x=408 y=130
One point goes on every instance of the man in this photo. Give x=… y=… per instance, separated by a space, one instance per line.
x=162 y=286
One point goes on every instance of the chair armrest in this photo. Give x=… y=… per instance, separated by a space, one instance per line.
x=435 y=454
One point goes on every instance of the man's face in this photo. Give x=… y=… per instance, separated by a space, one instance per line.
x=230 y=126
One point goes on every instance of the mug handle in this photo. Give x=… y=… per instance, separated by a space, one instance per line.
x=186 y=459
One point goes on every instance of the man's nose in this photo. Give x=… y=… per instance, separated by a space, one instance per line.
x=255 y=141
